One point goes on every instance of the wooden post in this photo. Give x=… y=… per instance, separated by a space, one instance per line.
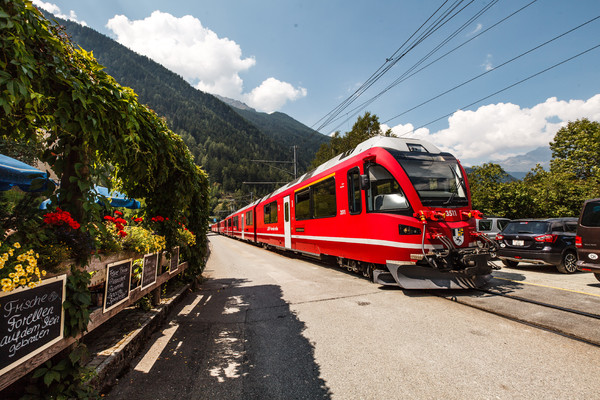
x=156 y=295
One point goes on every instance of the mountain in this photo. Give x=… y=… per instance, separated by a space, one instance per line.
x=284 y=129
x=223 y=140
x=519 y=166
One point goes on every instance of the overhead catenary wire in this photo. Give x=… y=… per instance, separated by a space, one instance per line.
x=504 y=89
x=441 y=20
x=376 y=73
x=411 y=71
x=404 y=76
x=493 y=69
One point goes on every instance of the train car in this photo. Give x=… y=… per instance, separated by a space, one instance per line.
x=242 y=222
x=397 y=210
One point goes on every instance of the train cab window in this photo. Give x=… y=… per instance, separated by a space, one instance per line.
x=354 y=192
x=270 y=210
x=384 y=193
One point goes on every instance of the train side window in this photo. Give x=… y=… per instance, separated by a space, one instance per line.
x=384 y=193
x=354 y=192
x=236 y=222
x=270 y=213
x=249 y=221
x=302 y=208
x=324 y=201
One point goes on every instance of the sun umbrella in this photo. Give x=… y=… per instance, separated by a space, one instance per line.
x=117 y=199
x=16 y=173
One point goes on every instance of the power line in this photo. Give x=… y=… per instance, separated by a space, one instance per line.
x=504 y=89
x=404 y=76
x=494 y=69
x=441 y=20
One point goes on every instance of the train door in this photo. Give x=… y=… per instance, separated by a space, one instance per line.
x=287 y=230
x=243 y=226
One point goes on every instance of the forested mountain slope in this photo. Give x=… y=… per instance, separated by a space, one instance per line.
x=223 y=140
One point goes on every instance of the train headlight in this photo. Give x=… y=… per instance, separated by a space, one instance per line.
x=408 y=230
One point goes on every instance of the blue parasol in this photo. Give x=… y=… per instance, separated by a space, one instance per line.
x=117 y=199
x=16 y=173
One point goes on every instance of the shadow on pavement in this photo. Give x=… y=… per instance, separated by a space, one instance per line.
x=227 y=341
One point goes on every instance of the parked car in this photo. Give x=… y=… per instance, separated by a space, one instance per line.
x=588 y=238
x=548 y=241
x=491 y=225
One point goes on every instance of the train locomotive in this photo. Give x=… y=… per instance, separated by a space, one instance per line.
x=397 y=210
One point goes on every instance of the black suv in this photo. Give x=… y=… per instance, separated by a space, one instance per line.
x=548 y=241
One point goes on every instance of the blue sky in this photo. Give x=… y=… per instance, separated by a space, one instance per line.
x=305 y=57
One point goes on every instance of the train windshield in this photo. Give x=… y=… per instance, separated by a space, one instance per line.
x=437 y=179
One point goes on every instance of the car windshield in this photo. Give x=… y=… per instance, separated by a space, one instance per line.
x=437 y=179
x=523 y=227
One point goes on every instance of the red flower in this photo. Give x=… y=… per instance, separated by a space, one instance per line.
x=59 y=218
x=119 y=213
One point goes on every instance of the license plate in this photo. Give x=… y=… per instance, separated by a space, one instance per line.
x=518 y=243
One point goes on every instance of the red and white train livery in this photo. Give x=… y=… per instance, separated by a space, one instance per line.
x=397 y=210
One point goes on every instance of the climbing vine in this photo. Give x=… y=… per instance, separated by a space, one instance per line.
x=92 y=131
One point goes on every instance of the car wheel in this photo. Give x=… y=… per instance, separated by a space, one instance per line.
x=510 y=263
x=568 y=264
x=597 y=275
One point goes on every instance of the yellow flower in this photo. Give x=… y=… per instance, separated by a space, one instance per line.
x=17 y=245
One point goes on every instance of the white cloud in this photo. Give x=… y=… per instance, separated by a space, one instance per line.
x=407 y=130
x=54 y=9
x=272 y=94
x=210 y=63
x=477 y=29
x=487 y=64
x=498 y=131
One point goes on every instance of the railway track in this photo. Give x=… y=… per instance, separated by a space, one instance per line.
x=538 y=306
x=539 y=303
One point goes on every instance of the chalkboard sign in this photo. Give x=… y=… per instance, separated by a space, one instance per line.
x=118 y=280
x=149 y=271
x=31 y=320
x=174 y=260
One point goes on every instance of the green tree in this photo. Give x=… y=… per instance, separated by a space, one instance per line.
x=364 y=128
x=576 y=149
x=574 y=176
x=495 y=192
x=485 y=182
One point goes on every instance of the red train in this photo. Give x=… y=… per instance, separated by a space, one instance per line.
x=396 y=210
